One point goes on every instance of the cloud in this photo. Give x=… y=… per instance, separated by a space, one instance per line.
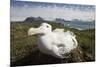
x=49 y=13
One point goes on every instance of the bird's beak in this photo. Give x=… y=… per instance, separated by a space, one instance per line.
x=33 y=31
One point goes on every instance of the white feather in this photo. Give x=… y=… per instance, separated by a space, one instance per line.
x=56 y=42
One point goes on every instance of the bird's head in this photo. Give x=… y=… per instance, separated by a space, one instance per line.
x=42 y=29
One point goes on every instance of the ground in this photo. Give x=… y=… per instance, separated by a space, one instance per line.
x=24 y=49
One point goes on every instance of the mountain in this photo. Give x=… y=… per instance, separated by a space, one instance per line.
x=31 y=19
x=74 y=23
x=61 y=20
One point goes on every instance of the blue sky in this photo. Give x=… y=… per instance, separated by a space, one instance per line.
x=49 y=11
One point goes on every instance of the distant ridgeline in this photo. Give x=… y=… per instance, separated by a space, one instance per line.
x=31 y=19
x=75 y=23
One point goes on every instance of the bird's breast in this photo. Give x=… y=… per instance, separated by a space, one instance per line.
x=44 y=43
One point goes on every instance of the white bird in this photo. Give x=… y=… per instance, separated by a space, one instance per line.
x=56 y=42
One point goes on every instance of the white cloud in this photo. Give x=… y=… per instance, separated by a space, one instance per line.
x=20 y=13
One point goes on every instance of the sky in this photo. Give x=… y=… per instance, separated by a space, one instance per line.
x=49 y=11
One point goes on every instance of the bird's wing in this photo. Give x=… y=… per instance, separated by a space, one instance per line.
x=55 y=52
x=64 y=41
x=70 y=33
x=71 y=38
x=68 y=40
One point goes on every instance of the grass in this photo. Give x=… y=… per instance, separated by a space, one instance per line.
x=22 y=45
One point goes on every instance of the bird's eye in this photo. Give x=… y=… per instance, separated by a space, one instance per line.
x=47 y=26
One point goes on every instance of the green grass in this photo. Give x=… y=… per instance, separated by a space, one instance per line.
x=22 y=45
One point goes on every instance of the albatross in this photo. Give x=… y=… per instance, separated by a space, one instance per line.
x=54 y=42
